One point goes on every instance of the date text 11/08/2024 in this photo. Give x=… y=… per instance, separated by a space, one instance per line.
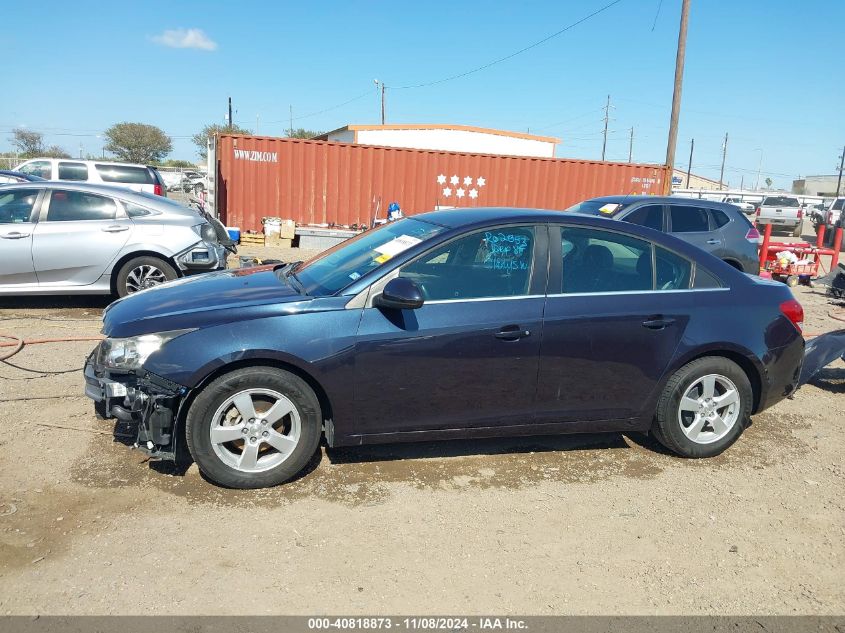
x=417 y=624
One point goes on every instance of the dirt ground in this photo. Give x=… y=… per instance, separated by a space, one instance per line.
x=588 y=524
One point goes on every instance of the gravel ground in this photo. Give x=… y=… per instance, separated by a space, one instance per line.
x=562 y=525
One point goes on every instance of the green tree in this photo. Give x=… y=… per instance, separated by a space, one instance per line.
x=200 y=139
x=768 y=183
x=54 y=151
x=302 y=133
x=138 y=142
x=174 y=162
x=28 y=143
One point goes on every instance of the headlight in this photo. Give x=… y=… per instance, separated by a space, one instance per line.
x=206 y=232
x=132 y=352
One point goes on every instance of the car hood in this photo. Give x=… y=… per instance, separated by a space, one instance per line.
x=201 y=301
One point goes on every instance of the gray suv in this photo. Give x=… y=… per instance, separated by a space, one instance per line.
x=718 y=228
x=69 y=238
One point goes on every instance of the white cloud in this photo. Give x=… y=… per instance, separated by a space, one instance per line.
x=186 y=38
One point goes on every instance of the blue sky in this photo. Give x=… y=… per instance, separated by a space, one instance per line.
x=770 y=73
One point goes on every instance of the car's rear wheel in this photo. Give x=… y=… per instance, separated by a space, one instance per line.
x=141 y=273
x=254 y=427
x=704 y=407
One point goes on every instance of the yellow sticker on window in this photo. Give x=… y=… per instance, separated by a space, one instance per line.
x=382 y=258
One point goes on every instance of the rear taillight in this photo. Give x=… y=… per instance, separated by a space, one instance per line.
x=157 y=190
x=793 y=311
x=753 y=235
x=829 y=218
x=758 y=211
x=800 y=213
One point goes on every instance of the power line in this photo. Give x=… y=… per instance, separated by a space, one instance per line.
x=512 y=55
x=334 y=107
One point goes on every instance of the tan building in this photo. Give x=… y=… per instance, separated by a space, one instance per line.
x=679 y=181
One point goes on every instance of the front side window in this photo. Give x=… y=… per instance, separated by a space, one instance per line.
x=650 y=216
x=73 y=171
x=40 y=168
x=485 y=264
x=603 y=261
x=688 y=219
x=68 y=206
x=16 y=205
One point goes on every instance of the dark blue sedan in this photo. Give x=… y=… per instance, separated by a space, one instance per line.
x=456 y=324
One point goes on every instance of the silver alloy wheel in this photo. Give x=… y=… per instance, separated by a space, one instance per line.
x=143 y=277
x=709 y=409
x=255 y=430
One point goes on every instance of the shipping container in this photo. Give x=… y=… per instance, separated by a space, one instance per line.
x=321 y=182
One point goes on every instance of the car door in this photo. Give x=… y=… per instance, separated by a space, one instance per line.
x=469 y=356
x=78 y=236
x=691 y=223
x=608 y=335
x=18 y=213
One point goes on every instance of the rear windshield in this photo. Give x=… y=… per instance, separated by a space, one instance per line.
x=780 y=201
x=125 y=174
x=597 y=207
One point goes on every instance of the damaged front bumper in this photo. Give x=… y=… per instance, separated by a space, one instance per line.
x=140 y=398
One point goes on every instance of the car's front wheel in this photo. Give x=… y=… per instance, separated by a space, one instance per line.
x=254 y=427
x=141 y=273
x=704 y=407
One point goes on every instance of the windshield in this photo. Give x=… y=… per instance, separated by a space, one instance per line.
x=347 y=262
x=597 y=207
x=780 y=201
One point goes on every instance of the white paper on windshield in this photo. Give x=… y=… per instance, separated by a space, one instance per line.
x=609 y=208
x=397 y=245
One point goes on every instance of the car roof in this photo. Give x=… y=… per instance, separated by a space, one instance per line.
x=87 y=161
x=115 y=190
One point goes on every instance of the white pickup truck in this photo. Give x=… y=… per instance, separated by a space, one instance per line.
x=782 y=212
x=746 y=207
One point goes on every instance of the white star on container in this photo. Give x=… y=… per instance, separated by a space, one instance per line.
x=468 y=180
x=481 y=182
x=441 y=179
x=447 y=191
x=454 y=180
x=459 y=193
x=473 y=193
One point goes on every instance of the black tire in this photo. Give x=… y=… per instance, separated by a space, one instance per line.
x=668 y=426
x=792 y=281
x=201 y=417
x=124 y=285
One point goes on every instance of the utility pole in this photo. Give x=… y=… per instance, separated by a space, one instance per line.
x=382 y=103
x=724 y=152
x=759 y=167
x=256 y=123
x=290 y=129
x=841 y=166
x=742 y=183
x=679 y=79
x=606 y=119
x=631 y=145
x=230 y=114
x=689 y=166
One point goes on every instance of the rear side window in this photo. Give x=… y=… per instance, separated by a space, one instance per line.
x=41 y=168
x=73 y=171
x=603 y=261
x=688 y=219
x=781 y=201
x=650 y=216
x=135 y=211
x=125 y=174
x=704 y=280
x=672 y=272
x=69 y=206
x=837 y=206
x=16 y=205
x=720 y=218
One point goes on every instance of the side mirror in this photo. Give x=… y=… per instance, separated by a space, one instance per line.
x=400 y=294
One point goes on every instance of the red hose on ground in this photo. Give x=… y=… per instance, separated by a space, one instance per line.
x=17 y=344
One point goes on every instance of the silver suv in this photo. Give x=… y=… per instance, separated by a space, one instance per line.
x=94 y=172
x=720 y=229
x=68 y=238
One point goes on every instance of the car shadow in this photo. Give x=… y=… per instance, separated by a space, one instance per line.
x=473 y=447
x=830 y=379
x=56 y=302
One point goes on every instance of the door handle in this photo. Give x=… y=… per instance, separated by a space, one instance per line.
x=115 y=228
x=712 y=242
x=14 y=235
x=512 y=333
x=657 y=323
